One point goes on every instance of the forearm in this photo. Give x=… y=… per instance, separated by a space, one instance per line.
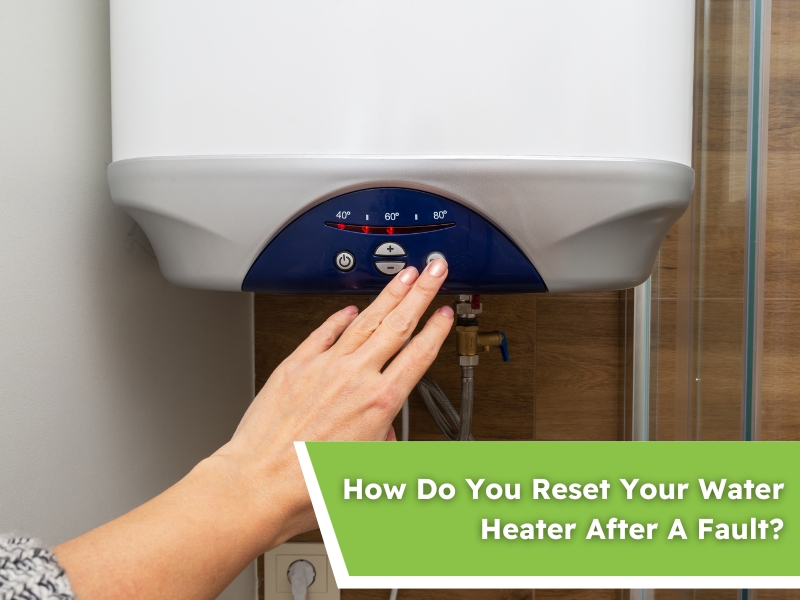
x=193 y=539
x=189 y=542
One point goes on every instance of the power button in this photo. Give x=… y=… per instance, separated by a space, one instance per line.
x=345 y=261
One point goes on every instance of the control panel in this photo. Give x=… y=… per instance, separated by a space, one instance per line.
x=355 y=242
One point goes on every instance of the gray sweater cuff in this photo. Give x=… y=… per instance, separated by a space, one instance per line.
x=29 y=571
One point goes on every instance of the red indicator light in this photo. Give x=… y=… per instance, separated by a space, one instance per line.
x=388 y=230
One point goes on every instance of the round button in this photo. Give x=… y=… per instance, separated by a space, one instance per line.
x=345 y=261
x=433 y=256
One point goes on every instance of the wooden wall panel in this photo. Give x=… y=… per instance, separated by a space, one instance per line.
x=579 y=376
x=781 y=367
x=282 y=322
x=697 y=595
x=580 y=594
x=564 y=381
x=781 y=351
x=663 y=347
x=443 y=595
x=664 y=395
x=778 y=595
x=504 y=392
x=781 y=370
x=716 y=410
x=714 y=595
x=663 y=368
x=723 y=58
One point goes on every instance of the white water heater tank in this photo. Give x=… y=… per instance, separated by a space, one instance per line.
x=320 y=146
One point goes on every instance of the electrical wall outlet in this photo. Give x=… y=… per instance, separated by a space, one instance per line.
x=276 y=569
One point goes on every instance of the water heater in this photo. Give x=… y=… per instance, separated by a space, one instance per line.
x=322 y=146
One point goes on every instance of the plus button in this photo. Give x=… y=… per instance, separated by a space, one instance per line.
x=390 y=249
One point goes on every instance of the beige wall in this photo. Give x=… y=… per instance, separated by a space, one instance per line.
x=113 y=382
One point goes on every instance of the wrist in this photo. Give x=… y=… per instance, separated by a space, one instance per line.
x=264 y=491
x=221 y=516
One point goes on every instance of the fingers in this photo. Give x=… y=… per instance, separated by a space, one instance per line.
x=411 y=364
x=326 y=334
x=369 y=320
x=399 y=324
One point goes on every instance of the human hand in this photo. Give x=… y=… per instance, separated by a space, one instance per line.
x=249 y=496
x=335 y=387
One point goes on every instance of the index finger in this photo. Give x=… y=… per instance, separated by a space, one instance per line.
x=400 y=323
x=360 y=330
x=407 y=369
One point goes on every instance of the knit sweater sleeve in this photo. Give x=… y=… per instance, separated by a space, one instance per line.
x=29 y=571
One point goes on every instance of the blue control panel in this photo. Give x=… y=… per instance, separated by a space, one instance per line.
x=356 y=242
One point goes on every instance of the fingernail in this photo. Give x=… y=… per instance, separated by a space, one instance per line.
x=350 y=310
x=447 y=311
x=407 y=276
x=438 y=267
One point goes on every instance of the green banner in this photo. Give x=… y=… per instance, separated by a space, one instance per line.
x=549 y=513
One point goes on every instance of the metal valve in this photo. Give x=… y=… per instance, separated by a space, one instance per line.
x=457 y=424
x=469 y=338
x=494 y=339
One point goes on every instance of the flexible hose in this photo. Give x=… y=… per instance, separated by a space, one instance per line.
x=454 y=426
x=439 y=405
x=404 y=418
x=433 y=395
x=467 y=395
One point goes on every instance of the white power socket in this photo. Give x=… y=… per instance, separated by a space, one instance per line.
x=276 y=569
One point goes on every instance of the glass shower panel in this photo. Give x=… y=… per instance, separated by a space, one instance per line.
x=697 y=305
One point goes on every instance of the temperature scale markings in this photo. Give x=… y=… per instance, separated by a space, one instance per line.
x=390 y=229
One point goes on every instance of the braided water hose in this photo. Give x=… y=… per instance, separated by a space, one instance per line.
x=455 y=426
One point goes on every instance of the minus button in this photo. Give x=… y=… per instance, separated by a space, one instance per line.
x=389 y=267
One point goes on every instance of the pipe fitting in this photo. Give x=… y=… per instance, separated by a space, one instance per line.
x=470 y=339
x=468 y=306
x=467 y=340
x=469 y=361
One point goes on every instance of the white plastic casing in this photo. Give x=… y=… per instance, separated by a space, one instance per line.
x=565 y=123
x=402 y=77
